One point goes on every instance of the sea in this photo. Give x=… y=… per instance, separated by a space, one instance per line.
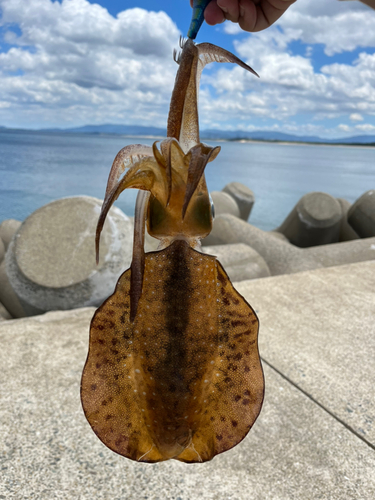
x=39 y=167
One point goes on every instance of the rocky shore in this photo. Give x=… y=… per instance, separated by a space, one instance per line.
x=47 y=262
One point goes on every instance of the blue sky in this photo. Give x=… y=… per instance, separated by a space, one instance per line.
x=75 y=62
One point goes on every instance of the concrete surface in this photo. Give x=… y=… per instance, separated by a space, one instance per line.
x=317 y=330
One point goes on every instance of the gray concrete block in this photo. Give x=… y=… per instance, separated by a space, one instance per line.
x=295 y=450
x=283 y=257
x=315 y=220
x=2 y=250
x=240 y=261
x=243 y=196
x=4 y=313
x=224 y=204
x=8 y=296
x=280 y=256
x=342 y=253
x=151 y=243
x=51 y=264
x=361 y=215
x=278 y=235
x=7 y=229
x=318 y=329
x=347 y=233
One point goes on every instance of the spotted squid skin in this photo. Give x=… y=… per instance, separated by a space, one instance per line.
x=183 y=381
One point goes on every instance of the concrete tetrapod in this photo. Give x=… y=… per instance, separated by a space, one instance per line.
x=4 y=313
x=240 y=261
x=7 y=229
x=2 y=250
x=243 y=196
x=361 y=215
x=283 y=257
x=51 y=259
x=8 y=297
x=315 y=220
x=224 y=204
x=347 y=233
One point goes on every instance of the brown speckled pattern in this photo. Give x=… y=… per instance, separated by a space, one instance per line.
x=184 y=380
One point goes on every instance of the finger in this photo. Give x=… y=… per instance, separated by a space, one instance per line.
x=269 y=11
x=230 y=8
x=213 y=14
x=248 y=15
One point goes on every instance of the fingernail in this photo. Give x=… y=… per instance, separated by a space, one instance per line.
x=242 y=10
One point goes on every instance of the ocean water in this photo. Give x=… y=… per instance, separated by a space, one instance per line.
x=36 y=168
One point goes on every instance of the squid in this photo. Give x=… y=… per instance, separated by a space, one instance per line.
x=173 y=369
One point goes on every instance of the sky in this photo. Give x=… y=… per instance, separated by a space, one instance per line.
x=69 y=63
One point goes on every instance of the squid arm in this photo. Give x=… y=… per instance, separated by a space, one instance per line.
x=138 y=261
x=200 y=156
x=126 y=158
x=140 y=176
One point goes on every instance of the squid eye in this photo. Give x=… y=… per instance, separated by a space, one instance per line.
x=212 y=207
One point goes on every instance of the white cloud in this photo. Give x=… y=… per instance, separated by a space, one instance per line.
x=366 y=127
x=76 y=57
x=289 y=84
x=356 y=117
x=343 y=127
x=339 y=26
x=74 y=63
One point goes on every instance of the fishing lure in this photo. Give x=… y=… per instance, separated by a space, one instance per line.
x=173 y=368
x=197 y=18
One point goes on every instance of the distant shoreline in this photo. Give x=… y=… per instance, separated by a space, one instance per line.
x=369 y=145
x=280 y=142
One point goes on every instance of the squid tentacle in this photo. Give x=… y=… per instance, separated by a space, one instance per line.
x=138 y=261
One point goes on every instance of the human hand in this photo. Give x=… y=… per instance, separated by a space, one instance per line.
x=251 y=15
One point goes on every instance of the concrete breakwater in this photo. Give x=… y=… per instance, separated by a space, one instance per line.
x=48 y=261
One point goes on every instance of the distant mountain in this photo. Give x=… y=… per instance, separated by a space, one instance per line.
x=218 y=134
x=210 y=134
x=262 y=135
x=109 y=128
x=357 y=139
